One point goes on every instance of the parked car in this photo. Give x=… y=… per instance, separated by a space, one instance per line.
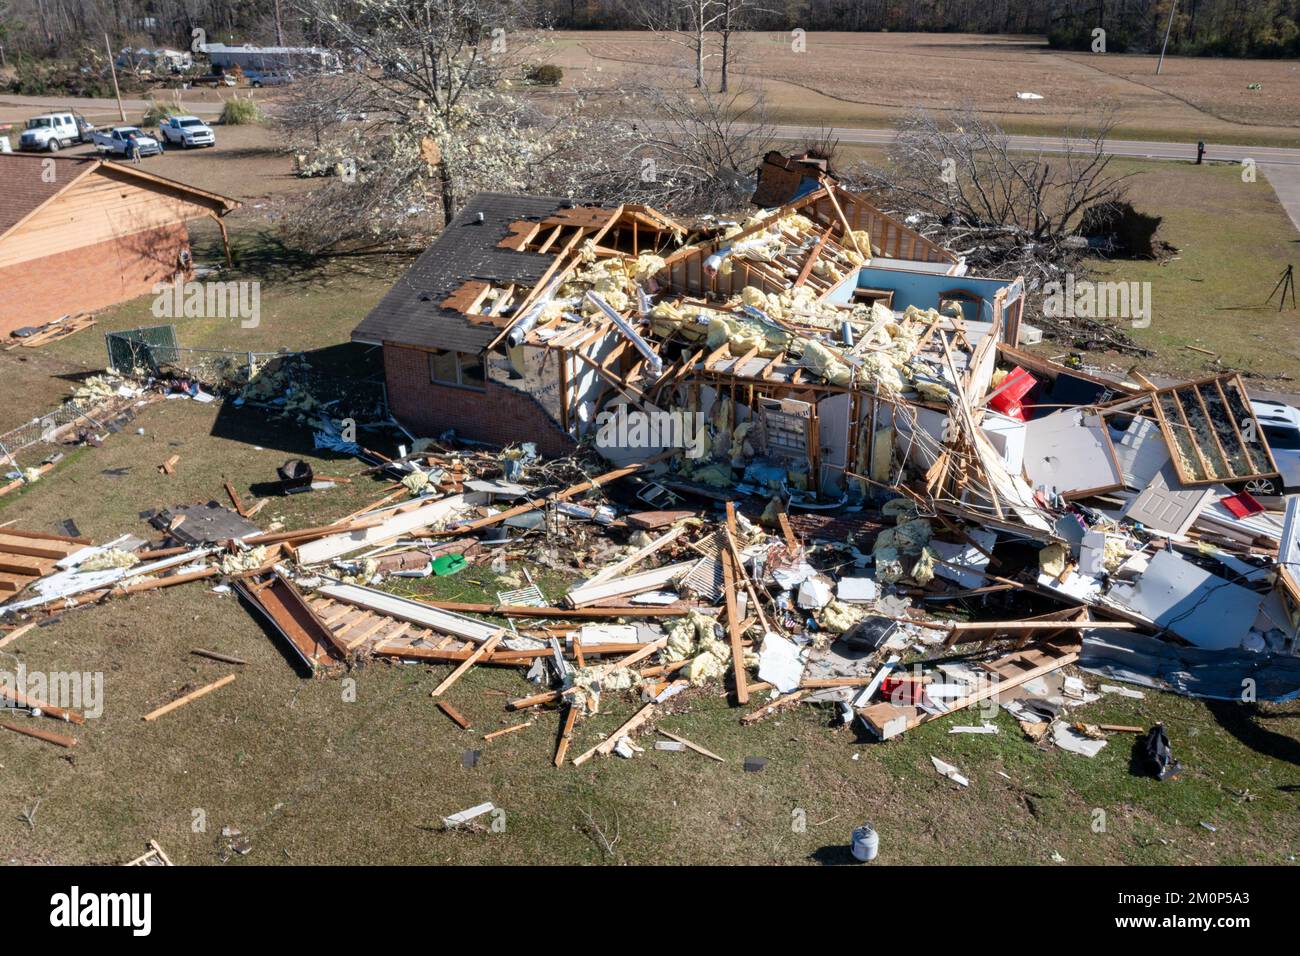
x=55 y=131
x=186 y=131
x=118 y=141
x=261 y=78
x=214 y=79
x=1281 y=424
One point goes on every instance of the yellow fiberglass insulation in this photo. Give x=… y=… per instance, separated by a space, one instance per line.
x=879 y=368
x=882 y=454
x=1113 y=552
x=415 y=482
x=864 y=242
x=647 y=264
x=722 y=415
x=112 y=558
x=909 y=537
x=686 y=636
x=740 y=446
x=710 y=663
x=1051 y=560
x=741 y=336
x=900 y=509
x=242 y=560
x=934 y=391
x=770 y=516
x=715 y=475
x=837 y=617
x=923 y=570
x=589 y=683
x=822 y=361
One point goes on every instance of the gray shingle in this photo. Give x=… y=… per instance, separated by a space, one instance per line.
x=411 y=312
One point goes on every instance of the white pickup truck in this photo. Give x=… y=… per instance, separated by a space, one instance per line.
x=55 y=131
x=118 y=141
x=187 y=131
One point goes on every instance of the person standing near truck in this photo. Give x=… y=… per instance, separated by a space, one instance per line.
x=133 y=148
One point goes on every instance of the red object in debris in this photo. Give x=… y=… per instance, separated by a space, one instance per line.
x=1014 y=387
x=1242 y=504
x=902 y=689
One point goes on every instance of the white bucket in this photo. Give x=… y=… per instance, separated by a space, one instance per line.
x=866 y=843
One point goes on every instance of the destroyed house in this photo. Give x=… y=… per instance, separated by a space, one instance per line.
x=80 y=234
x=537 y=319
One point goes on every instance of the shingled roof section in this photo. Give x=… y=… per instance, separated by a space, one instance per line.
x=26 y=189
x=412 y=313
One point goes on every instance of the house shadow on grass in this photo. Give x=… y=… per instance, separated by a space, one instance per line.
x=266 y=256
x=337 y=374
x=1246 y=723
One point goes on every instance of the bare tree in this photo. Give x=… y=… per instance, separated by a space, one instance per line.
x=687 y=23
x=738 y=16
x=1005 y=211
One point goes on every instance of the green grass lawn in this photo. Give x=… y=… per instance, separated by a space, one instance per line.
x=314 y=777
x=1234 y=241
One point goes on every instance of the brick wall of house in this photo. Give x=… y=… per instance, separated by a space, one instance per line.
x=499 y=415
x=90 y=278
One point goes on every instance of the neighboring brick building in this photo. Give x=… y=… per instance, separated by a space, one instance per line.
x=80 y=234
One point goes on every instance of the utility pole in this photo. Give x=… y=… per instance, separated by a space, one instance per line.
x=1168 y=26
x=108 y=48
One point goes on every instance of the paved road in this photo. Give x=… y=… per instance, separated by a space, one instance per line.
x=16 y=108
x=1140 y=149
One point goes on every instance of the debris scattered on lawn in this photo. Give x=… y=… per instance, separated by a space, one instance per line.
x=949 y=771
x=466 y=817
x=891 y=514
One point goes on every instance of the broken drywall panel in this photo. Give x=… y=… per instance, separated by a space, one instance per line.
x=1288 y=551
x=949 y=771
x=1191 y=671
x=1007 y=435
x=653 y=580
x=1092 y=553
x=1142 y=452
x=1201 y=608
x=1167 y=505
x=66 y=584
x=780 y=663
x=1070 y=453
x=970 y=562
x=857 y=590
x=465 y=816
x=590 y=635
x=1067 y=738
